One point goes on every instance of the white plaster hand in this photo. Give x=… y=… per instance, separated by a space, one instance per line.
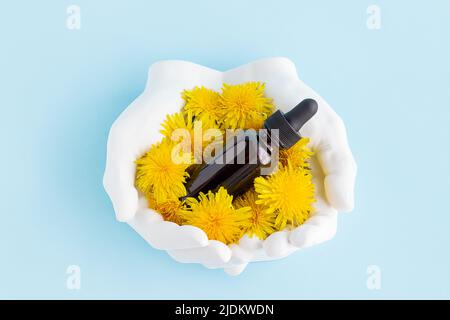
x=137 y=128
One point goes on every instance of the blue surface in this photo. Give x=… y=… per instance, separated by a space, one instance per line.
x=62 y=89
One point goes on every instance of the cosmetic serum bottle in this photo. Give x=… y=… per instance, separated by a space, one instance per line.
x=244 y=157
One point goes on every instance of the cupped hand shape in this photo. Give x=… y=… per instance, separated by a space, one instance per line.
x=137 y=128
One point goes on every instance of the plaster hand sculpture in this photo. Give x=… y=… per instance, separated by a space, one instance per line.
x=333 y=166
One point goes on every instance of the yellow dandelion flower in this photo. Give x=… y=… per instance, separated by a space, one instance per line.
x=298 y=154
x=195 y=130
x=244 y=106
x=170 y=210
x=215 y=215
x=203 y=103
x=261 y=221
x=176 y=121
x=156 y=172
x=255 y=123
x=289 y=193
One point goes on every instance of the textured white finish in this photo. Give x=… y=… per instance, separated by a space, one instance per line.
x=334 y=168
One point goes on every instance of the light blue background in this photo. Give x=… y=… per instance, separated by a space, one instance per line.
x=62 y=89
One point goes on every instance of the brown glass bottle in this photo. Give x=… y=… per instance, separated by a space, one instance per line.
x=248 y=152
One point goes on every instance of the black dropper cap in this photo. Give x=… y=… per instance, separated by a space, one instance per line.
x=290 y=123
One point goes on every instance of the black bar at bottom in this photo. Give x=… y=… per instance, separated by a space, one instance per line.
x=225 y=309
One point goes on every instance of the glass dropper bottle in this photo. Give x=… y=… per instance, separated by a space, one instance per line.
x=243 y=158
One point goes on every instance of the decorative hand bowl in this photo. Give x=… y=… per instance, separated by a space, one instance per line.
x=333 y=166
